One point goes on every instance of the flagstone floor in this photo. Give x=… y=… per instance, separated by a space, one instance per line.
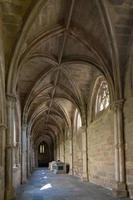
x=44 y=185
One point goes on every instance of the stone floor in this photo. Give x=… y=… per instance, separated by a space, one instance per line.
x=44 y=185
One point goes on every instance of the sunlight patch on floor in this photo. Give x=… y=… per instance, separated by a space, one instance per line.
x=47 y=186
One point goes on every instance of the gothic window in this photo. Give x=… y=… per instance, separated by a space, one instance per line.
x=102 y=97
x=78 y=122
x=42 y=149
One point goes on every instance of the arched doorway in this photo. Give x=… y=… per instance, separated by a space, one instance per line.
x=43 y=155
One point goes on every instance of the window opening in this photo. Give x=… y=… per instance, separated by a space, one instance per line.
x=102 y=98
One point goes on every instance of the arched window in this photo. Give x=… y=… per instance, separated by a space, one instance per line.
x=42 y=149
x=102 y=96
x=78 y=121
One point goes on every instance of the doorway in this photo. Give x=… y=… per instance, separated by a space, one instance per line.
x=43 y=155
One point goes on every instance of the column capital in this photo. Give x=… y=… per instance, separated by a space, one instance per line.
x=82 y=128
x=3 y=126
x=118 y=104
x=17 y=144
x=119 y=145
x=9 y=146
x=11 y=97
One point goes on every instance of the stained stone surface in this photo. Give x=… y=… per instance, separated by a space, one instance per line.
x=44 y=185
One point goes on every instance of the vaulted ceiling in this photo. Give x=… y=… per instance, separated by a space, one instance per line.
x=61 y=47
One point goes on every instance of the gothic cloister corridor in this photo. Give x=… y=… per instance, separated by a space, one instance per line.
x=44 y=185
x=66 y=95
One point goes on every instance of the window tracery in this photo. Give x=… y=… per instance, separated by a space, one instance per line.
x=102 y=97
x=78 y=121
x=42 y=149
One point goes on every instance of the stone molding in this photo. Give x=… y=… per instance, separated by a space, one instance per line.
x=119 y=145
x=118 y=104
x=10 y=146
x=3 y=126
x=11 y=97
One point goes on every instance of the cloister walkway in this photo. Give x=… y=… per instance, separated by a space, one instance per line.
x=44 y=185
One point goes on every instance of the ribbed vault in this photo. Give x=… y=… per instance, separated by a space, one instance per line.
x=59 y=54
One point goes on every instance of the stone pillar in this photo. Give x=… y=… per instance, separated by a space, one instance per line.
x=2 y=160
x=55 y=149
x=17 y=154
x=119 y=189
x=71 y=152
x=62 y=150
x=84 y=153
x=58 y=148
x=24 y=154
x=36 y=157
x=10 y=192
x=64 y=146
x=28 y=155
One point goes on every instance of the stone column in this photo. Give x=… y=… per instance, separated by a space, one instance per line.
x=119 y=189
x=2 y=160
x=64 y=146
x=71 y=152
x=10 y=192
x=55 y=149
x=36 y=157
x=84 y=153
x=28 y=155
x=58 y=148
x=32 y=160
x=24 y=154
x=17 y=154
x=61 y=149
x=62 y=152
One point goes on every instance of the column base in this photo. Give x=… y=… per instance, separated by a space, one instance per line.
x=71 y=172
x=130 y=189
x=120 y=190
x=23 y=181
x=10 y=194
x=84 y=177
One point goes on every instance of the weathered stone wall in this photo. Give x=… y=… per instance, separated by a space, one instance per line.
x=101 y=150
x=128 y=116
x=1 y=183
x=67 y=150
x=77 y=154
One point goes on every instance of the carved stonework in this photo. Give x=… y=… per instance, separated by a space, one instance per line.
x=118 y=104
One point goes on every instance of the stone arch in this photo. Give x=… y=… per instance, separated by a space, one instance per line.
x=110 y=33
x=109 y=29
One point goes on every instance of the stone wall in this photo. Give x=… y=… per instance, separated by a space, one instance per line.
x=67 y=150
x=1 y=183
x=101 y=150
x=128 y=116
x=77 y=154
